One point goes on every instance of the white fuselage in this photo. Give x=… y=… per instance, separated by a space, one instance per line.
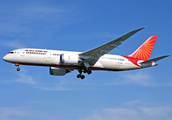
x=51 y=58
x=63 y=62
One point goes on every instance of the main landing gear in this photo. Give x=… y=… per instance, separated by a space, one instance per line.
x=80 y=75
x=18 y=68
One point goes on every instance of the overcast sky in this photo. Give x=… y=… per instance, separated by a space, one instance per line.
x=81 y=25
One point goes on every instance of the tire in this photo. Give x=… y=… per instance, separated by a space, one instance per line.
x=89 y=72
x=82 y=77
x=18 y=69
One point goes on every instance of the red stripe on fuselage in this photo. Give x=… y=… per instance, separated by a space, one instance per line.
x=70 y=67
x=133 y=60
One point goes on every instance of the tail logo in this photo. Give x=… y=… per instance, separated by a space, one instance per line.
x=144 y=51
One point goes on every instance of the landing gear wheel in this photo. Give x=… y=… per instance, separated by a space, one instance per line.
x=89 y=71
x=18 y=69
x=81 y=76
x=85 y=71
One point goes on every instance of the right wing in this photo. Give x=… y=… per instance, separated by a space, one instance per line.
x=91 y=57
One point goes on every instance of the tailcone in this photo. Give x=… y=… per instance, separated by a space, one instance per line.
x=149 y=64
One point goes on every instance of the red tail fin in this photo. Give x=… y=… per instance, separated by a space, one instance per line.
x=144 y=51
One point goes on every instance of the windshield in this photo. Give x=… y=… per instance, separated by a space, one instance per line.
x=11 y=52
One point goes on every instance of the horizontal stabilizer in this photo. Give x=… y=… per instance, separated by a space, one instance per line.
x=155 y=59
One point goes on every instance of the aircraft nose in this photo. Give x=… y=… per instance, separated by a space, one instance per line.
x=6 y=58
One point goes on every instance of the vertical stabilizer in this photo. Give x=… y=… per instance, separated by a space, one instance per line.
x=144 y=51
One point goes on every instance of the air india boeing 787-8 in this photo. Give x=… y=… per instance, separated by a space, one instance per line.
x=63 y=62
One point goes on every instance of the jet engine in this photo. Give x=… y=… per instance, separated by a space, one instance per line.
x=58 y=71
x=69 y=59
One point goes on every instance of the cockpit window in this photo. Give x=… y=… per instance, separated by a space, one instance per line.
x=11 y=52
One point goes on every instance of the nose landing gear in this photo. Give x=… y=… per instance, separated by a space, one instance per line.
x=16 y=64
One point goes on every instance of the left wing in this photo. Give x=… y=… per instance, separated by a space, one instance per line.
x=155 y=59
x=91 y=57
x=151 y=62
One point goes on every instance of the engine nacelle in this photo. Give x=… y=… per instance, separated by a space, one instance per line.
x=69 y=59
x=58 y=71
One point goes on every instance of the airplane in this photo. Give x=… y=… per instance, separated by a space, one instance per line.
x=62 y=62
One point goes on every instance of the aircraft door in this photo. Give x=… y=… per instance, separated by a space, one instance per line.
x=22 y=53
x=47 y=57
x=49 y=54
